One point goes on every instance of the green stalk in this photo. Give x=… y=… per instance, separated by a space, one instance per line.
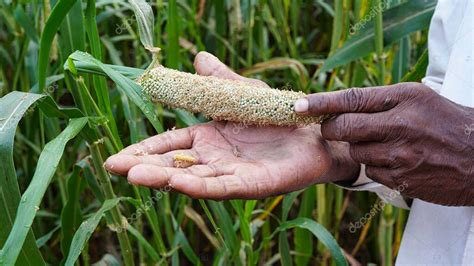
x=379 y=41
x=117 y=145
x=322 y=210
x=114 y=214
x=250 y=25
x=337 y=24
x=387 y=224
x=245 y=229
x=85 y=92
x=388 y=216
x=172 y=29
x=158 y=34
x=219 y=11
x=399 y=226
x=153 y=221
x=211 y=219
x=99 y=82
x=234 y=30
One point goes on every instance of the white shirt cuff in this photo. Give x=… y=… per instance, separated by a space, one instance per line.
x=363 y=183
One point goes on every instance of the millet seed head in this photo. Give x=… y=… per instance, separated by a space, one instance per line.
x=223 y=99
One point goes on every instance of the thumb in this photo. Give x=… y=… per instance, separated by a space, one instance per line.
x=207 y=64
x=354 y=100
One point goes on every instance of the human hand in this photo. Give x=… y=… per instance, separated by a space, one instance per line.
x=405 y=134
x=234 y=160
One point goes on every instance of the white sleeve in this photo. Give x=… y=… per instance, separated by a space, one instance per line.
x=363 y=183
x=441 y=37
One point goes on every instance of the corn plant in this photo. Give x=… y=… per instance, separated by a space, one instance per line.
x=70 y=97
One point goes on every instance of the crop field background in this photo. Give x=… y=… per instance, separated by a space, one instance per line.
x=62 y=113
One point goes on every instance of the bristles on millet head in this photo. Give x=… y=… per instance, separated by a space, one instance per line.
x=223 y=99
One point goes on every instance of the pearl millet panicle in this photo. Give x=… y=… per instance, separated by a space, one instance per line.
x=223 y=99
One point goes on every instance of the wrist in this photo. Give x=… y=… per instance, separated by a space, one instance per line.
x=343 y=168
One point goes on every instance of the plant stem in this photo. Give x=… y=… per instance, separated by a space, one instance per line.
x=114 y=214
x=85 y=92
x=377 y=4
x=387 y=218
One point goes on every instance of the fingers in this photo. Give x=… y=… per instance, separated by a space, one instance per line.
x=355 y=127
x=165 y=142
x=217 y=188
x=120 y=164
x=355 y=100
x=156 y=176
x=207 y=64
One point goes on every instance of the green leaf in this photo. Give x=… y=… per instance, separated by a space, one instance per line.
x=40 y=242
x=399 y=21
x=12 y=108
x=302 y=240
x=31 y=199
x=145 y=20
x=288 y=201
x=22 y=18
x=186 y=117
x=86 y=229
x=100 y=85
x=91 y=68
x=283 y=244
x=419 y=70
x=148 y=248
x=71 y=215
x=49 y=107
x=401 y=62
x=181 y=240
x=172 y=29
x=49 y=80
x=107 y=260
x=321 y=233
x=57 y=16
x=72 y=31
x=125 y=86
x=284 y=249
x=224 y=221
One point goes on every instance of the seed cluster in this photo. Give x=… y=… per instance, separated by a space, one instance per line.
x=223 y=99
x=183 y=160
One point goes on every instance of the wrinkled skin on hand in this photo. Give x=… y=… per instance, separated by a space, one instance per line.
x=235 y=160
x=405 y=134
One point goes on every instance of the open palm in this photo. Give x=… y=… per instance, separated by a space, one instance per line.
x=232 y=160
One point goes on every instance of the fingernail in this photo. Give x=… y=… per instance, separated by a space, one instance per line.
x=301 y=105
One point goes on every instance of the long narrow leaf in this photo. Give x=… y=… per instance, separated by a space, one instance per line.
x=31 y=199
x=58 y=14
x=86 y=229
x=319 y=232
x=398 y=22
x=71 y=215
x=12 y=108
x=126 y=86
x=145 y=20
